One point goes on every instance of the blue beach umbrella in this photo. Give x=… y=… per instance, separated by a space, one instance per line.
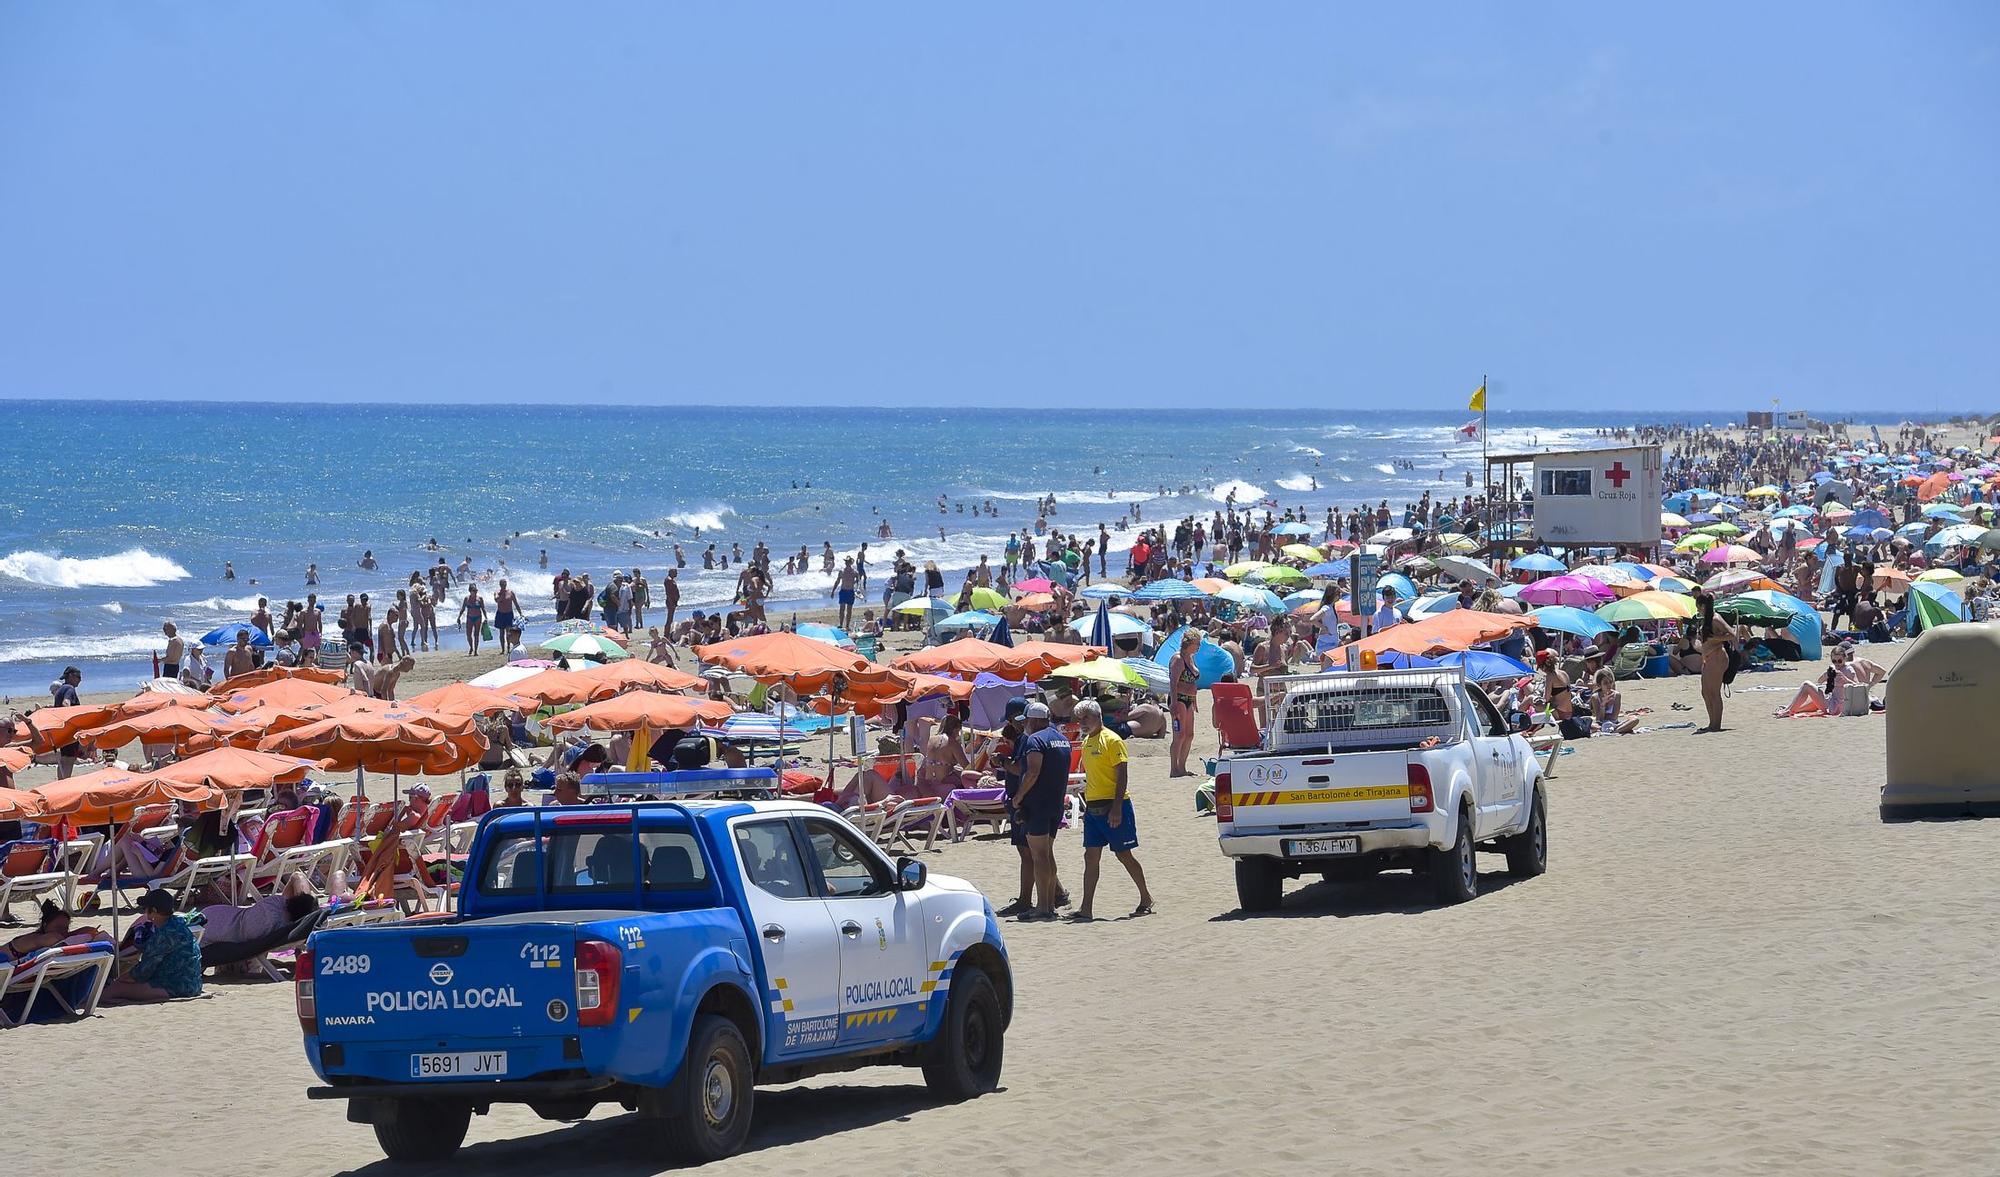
x=1103 y=592
x=971 y=619
x=1406 y=589
x=1292 y=529
x=1485 y=665
x=1540 y=562
x=831 y=634
x=1211 y=661
x=1001 y=635
x=1868 y=517
x=1169 y=590
x=225 y=635
x=1331 y=568
x=1569 y=619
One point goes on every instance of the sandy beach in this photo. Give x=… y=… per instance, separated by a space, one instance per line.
x=1731 y=967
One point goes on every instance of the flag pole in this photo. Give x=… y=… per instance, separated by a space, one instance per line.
x=1485 y=462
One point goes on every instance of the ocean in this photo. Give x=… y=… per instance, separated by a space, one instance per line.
x=117 y=516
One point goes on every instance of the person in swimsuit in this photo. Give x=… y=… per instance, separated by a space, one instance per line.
x=944 y=758
x=1186 y=680
x=472 y=611
x=1713 y=634
x=505 y=606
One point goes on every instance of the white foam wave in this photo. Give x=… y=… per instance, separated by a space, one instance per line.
x=1384 y=468
x=712 y=517
x=1306 y=449
x=224 y=604
x=1246 y=492
x=132 y=568
x=1297 y=482
x=112 y=607
x=61 y=648
x=1074 y=497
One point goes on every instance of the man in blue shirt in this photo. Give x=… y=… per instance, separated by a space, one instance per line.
x=1044 y=757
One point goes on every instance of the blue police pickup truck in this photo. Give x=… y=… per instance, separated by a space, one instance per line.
x=665 y=955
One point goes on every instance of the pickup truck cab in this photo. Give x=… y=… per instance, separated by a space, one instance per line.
x=665 y=955
x=1360 y=772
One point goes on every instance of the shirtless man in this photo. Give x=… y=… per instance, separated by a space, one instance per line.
x=239 y=658
x=378 y=680
x=170 y=663
x=843 y=591
x=362 y=619
x=670 y=596
x=385 y=633
x=506 y=617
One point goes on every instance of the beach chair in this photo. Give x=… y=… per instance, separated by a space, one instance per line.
x=283 y=847
x=29 y=870
x=868 y=819
x=1233 y=710
x=969 y=806
x=49 y=970
x=865 y=644
x=912 y=815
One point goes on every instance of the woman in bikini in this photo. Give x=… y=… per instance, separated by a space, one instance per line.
x=1185 y=679
x=1713 y=635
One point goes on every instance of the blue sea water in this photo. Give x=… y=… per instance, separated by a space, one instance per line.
x=117 y=516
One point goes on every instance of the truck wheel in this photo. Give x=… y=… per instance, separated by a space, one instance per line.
x=1260 y=885
x=423 y=1131
x=963 y=1061
x=1455 y=870
x=710 y=1115
x=1528 y=851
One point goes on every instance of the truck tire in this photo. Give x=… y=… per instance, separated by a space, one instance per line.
x=1260 y=885
x=1528 y=851
x=423 y=1131
x=711 y=1103
x=1455 y=869
x=963 y=1061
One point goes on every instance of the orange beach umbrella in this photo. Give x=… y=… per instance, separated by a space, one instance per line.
x=631 y=674
x=972 y=656
x=235 y=769
x=465 y=699
x=636 y=709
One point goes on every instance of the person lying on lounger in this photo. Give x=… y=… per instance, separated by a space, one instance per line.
x=53 y=929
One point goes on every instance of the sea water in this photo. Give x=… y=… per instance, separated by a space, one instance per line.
x=117 y=516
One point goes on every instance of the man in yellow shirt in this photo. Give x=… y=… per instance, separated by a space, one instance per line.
x=1107 y=812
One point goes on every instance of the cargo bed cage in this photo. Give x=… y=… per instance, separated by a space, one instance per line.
x=1366 y=708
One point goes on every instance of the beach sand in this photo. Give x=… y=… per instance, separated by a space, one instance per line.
x=1731 y=967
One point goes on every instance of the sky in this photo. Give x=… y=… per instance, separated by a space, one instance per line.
x=1003 y=206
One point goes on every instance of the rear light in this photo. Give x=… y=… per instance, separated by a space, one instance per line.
x=1420 y=789
x=598 y=967
x=302 y=991
x=1225 y=798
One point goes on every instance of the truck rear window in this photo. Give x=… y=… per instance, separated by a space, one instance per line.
x=1366 y=710
x=595 y=861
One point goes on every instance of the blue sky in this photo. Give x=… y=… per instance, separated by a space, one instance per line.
x=999 y=205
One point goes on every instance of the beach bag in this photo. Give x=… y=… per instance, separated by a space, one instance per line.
x=1735 y=664
x=486 y=632
x=1853 y=699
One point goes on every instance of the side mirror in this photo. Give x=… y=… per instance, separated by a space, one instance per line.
x=910 y=874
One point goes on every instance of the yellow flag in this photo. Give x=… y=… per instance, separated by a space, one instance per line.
x=1478 y=404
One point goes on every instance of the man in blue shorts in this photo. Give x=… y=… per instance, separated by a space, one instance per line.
x=1038 y=802
x=843 y=585
x=1107 y=811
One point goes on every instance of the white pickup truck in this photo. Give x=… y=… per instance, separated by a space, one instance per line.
x=1360 y=772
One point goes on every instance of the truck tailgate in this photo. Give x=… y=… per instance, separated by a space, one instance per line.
x=1320 y=790
x=449 y=1002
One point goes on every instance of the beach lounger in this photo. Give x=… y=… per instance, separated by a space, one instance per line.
x=49 y=970
x=282 y=848
x=29 y=870
x=969 y=806
x=913 y=815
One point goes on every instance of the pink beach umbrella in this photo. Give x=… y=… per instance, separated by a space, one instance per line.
x=1580 y=591
x=1730 y=554
x=1034 y=584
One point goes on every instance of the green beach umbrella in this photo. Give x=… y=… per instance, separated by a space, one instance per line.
x=586 y=645
x=1754 y=610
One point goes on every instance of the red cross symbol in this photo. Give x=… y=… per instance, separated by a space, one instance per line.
x=1618 y=474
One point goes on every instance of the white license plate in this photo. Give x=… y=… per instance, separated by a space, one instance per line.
x=484 y=1065
x=1312 y=847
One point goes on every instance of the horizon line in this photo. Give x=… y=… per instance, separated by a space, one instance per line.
x=1708 y=411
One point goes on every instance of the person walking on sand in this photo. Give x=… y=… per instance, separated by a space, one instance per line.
x=1107 y=811
x=62 y=693
x=472 y=612
x=670 y=599
x=1038 y=804
x=311 y=618
x=506 y=617
x=843 y=590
